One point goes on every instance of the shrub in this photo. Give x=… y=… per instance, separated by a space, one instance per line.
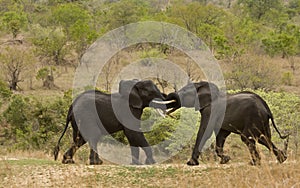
x=35 y=124
x=250 y=71
x=287 y=78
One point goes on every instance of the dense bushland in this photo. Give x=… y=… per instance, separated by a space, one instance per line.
x=35 y=124
x=56 y=32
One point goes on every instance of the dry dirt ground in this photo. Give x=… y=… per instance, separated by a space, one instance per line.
x=35 y=172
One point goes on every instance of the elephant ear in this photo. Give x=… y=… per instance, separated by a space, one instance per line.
x=129 y=91
x=207 y=93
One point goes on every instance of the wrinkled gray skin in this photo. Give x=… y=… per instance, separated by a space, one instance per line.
x=247 y=114
x=108 y=116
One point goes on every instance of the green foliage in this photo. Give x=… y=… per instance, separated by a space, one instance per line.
x=281 y=43
x=82 y=35
x=173 y=133
x=51 y=45
x=294 y=6
x=34 y=124
x=5 y=93
x=287 y=78
x=161 y=130
x=186 y=129
x=257 y=9
x=126 y=11
x=66 y=15
x=63 y=30
x=14 y=21
x=42 y=73
x=194 y=15
x=147 y=54
x=284 y=41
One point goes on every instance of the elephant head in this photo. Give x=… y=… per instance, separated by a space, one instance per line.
x=141 y=94
x=194 y=95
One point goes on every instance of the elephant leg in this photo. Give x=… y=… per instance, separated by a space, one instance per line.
x=136 y=140
x=135 y=151
x=94 y=158
x=250 y=142
x=280 y=155
x=220 y=140
x=204 y=133
x=78 y=142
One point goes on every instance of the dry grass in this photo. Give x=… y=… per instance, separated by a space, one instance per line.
x=35 y=169
x=45 y=173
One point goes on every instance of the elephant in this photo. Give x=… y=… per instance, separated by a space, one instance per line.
x=99 y=114
x=246 y=114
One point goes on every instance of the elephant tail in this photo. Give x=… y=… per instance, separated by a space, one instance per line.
x=56 y=149
x=274 y=125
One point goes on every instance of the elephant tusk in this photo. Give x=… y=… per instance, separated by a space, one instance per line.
x=161 y=112
x=163 y=102
x=170 y=110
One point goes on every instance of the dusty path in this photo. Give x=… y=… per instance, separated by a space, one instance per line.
x=47 y=173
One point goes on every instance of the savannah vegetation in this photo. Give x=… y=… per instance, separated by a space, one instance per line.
x=256 y=43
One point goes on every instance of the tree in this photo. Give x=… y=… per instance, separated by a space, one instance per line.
x=280 y=43
x=66 y=15
x=256 y=9
x=14 y=22
x=285 y=42
x=193 y=15
x=206 y=21
x=51 y=48
x=124 y=12
x=241 y=35
x=78 y=30
x=15 y=61
x=82 y=35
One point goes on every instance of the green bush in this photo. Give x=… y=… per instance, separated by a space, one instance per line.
x=35 y=124
x=287 y=78
x=5 y=93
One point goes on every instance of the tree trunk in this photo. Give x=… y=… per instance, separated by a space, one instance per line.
x=13 y=85
x=14 y=81
x=49 y=82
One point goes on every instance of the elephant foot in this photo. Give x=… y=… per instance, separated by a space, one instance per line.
x=192 y=162
x=281 y=157
x=135 y=162
x=149 y=161
x=96 y=162
x=68 y=161
x=225 y=159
